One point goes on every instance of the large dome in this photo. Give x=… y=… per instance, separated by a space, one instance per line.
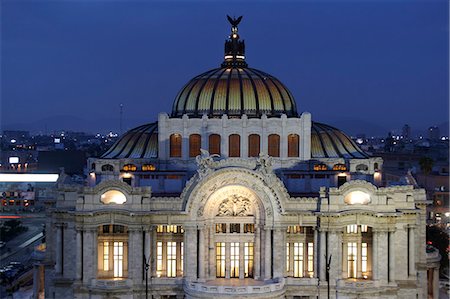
x=234 y=89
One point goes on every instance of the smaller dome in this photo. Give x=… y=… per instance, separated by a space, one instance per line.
x=329 y=142
x=140 y=142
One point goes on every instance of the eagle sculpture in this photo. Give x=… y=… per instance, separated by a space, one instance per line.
x=233 y=21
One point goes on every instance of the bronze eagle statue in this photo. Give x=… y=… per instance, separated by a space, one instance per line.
x=233 y=21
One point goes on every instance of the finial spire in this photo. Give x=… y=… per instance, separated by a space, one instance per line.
x=234 y=48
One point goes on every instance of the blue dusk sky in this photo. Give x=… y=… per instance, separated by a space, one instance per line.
x=363 y=66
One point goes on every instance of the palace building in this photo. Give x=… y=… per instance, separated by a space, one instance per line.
x=236 y=193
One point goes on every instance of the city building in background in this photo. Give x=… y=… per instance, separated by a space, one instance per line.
x=236 y=193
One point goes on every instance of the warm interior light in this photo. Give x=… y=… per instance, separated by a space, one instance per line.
x=126 y=175
x=357 y=197
x=28 y=177
x=113 y=196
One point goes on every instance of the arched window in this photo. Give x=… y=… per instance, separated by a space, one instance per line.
x=195 y=142
x=93 y=166
x=214 y=144
x=234 y=145
x=107 y=167
x=175 y=145
x=361 y=167
x=113 y=197
x=293 y=141
x=273 y=146
x=112 y=251
x=253 y=145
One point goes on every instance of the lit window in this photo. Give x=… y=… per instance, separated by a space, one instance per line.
x=159 y=259
x=113 y=197
x=293 y=145
x=234 y=257
x=351 y=259
x=129 y=167
x=220 y=259
x=148 y=167
x=357 y=197
x=118 y=259
x=235 y=227
x=221 y=228
x=182 y=258
x=298 y=259
x=105 y=256
x=249 y=228
x=311 y=259
x=364 y=228
x=364 y=258
x=352 y=229
x=248 y=259
x=287 y=257
x=171 y=259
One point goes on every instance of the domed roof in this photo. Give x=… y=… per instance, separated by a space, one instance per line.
x=329 y=142
x=140 y=142
x=234 y=89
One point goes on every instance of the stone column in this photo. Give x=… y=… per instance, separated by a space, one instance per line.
x=147 y=250
x=316 y=252
x=190 y=248
x=227 y=259
x=135 y=258
x=383 y=256
x=212 y=253
x=89 y=254
x=201 y=253
x=322 y=258
x=375 y=255
x=359 y=260
x=257 y=257
x=334 y=249
x=59 y=244
x=279 y=258
x=241 y=260
x=344 y=260
x=79 y=253
x=268 y=254
x=412 y=251
x=153 y=256
x=391 y=257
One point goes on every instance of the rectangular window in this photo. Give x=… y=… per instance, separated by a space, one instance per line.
x=294 y=229
x=234 y=257
x=352 y=229
x=351 y=259
x=171 y=259
x=159 y=259
x=287 y=257
x=221 y=228
x=118 y=259
x=249 y=228
x=235 y=227
x=105 y=256
x=364 y=228
x=311 y=259
x=220 y=259
x=364 y=258
x=248 y=259
x=298 y=259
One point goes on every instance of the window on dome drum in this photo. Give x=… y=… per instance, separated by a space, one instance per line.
x=175 y=145
x=214 y=144
x=357 y=247
x=253 y=145
x=300 y=251
x=129 y=167
x=293 y=145
x=195 y=142
x=107 y=167
x=273 y=146
x=112 y=254
x=234 y=145
x=169 y=250
x=148 y=167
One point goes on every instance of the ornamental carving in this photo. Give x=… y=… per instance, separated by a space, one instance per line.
x=235 y=205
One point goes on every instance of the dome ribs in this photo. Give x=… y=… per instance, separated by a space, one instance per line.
x=263 y=80
x=209 y=75
x=217 y=89
x=255 y=92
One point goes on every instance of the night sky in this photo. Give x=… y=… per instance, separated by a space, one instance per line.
x=363 y=66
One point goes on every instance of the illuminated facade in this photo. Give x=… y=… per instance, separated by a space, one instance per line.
x=236 y=194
